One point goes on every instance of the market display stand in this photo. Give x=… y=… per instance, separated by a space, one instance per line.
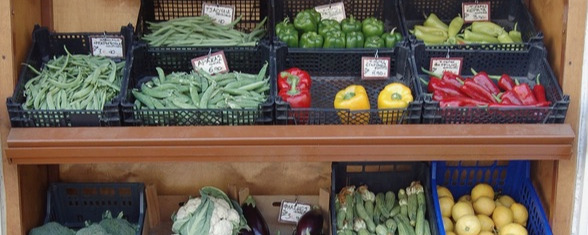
x=35 y=156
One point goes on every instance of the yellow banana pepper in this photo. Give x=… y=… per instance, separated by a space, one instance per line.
x=353 y=98
x=393 y=96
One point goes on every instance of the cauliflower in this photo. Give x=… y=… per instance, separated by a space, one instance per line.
x=224 y=218
x=188 y=209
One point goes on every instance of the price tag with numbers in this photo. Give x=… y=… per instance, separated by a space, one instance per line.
x=214 y=63
x=451 y=64
x=476 y=11
x=335 y=11
x=375 y=68
x=290 y=212
x=220 y=14
x=108 y=45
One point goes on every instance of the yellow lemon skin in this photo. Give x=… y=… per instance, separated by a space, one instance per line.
x=468 y=225
x=519 y=213
x=486 y=222
x=444 y=192
x=502 y=216
x=446 y=204
x=513 y=229
x=461 y=209
x=486 y=233
x=505 y=200
x=484 y=205
x=482 y=189
x=447 y=224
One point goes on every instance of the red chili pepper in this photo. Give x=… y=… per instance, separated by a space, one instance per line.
x=524 y=93
x=509 y=97
x=435 y=84
x=475 y=91
x=539 y=104
x=456 y=101
x=484 y=80
x=539 y=91
x=303 y=77
x=505 y=82
x=447 y=77
x=297 y=98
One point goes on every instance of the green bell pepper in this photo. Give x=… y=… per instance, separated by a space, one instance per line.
x=334 y=39
x=328 y=25
x=315 y=14
x=354 y=40
x=284 y=25
x=372 y=27
x=305 y=21
x=311 y=40
x=350 y=25
x=289 y=36
x=392 y=38
x=374 y=42
x=515 y=35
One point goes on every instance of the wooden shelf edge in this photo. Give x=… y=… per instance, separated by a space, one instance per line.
x=289 y=143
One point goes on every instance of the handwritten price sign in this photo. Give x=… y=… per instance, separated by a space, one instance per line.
x=335 y=11
x=214 y=63
x=220 y=14
x=290 y=212
x=476 y=11
x=452 y=64
x=109 y=46
x=374 y=68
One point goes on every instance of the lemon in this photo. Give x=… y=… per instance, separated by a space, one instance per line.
x=505 y=200
x=465 y=198
x=482 y=189
x=484 y=205
x=461 y=209
x=447 y=224
x=468 y=225
x=444 y=192
x=502 y=216
x=449 y=233
x=486 y=233
x=513 y=229
x=486 y=223
x=519 y=213
x=446 y=203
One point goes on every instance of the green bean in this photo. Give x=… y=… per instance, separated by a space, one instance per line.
x=206 y=96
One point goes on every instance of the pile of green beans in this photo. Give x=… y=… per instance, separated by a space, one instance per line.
x=74 y=82
x=200 y=90
x=201 y=31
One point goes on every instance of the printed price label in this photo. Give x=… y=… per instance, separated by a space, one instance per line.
x=452 y=64
x=214 y=63
x=374 y=68
x=220 y=14
x=479 y=11
x=109 y=46
x=290 y=212
x=335 y=11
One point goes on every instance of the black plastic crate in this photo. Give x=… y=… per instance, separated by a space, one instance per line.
x=45 y=46
x=72 y=204
x=333 y=70
x=523 y=65
x=252 y=12
x=503 y=12
x=241 y=59
x=385 y=10
x=381 y=177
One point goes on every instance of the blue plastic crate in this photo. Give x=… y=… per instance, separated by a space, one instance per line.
x=507 y=177
x=72 y=204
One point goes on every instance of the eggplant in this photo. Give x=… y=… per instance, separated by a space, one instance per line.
x=311 y=223
x=254 y=219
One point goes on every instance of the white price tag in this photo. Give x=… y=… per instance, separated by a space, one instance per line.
x=220 y=14
x=335 y=11
x=109 y=46
x=478 y=11
x=214 y=63
x=374 y=68
x=452 y=64
x=290 y=212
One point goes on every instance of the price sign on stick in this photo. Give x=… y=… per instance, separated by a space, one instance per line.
x=220 y=14
x=451 y=64
x=109 y=46
x=214 y=63
x=476 y=11
x=290 y=212
x=335 y=11
x=375 y=68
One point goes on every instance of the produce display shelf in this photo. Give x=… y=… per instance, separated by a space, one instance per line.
x=289 y=143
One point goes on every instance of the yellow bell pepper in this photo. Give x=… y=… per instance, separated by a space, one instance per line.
x=353 y=98
x=393 y=96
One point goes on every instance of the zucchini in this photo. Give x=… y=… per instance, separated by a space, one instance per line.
x=395 y=210
x=412 y=205
x=381 y=205
x=391 y=225
x=390 y=199
x=427 y=228
x=420 y=223
x=341 y=213
x=362 y=213
x=381 y=230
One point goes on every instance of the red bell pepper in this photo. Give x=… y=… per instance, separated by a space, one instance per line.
x=539 y=91
x=524 y=93
x=505 y=82
x=296 y=97
x=304 y=80
x=484 y=80
x=475 y=91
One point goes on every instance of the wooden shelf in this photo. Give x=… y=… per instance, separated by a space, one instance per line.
x=289 y=143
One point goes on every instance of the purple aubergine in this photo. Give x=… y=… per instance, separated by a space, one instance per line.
x=311 y=223
x=254 y=218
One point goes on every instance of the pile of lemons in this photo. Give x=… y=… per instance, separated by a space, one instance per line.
x=481 y=213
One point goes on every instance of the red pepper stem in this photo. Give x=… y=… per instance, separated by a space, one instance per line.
x=424 y=81
x=460 y=81
x=430 y=73
x=538 y=82
x=473 y=71
x=497 y=97
x=517 y=82
x=293 y=80
x=495 y=77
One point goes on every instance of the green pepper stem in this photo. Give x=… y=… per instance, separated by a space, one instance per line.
x=396 y=96
x=293 y=80
x=430 y=73
x=348 y=95
x=424 y=81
